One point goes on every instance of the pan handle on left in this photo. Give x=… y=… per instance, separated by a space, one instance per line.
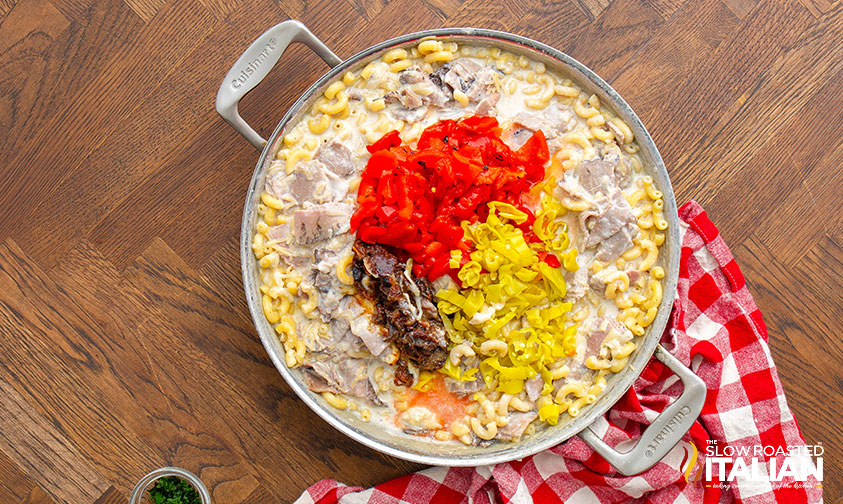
x=255 y=63
x=665 y=431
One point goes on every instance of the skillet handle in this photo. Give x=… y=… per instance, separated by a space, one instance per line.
x=665 y=431
x=255 y=63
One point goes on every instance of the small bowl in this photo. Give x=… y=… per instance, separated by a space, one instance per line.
x=145 y=482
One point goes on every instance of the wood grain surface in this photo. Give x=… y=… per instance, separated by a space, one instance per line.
x=125 y=341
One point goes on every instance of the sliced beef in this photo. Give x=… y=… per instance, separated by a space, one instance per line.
x=340 y=375
x=321 y=222
x=606 y=218
x=596 y=175
x=483 y=86
x=338 y=341
x=323 y=277
x=429 y=89
x=280 y=233
x=605 y=330
x=408 y=99
x=532 y=121
x=437 y=98
x=325 y=259
x=486 y=107
x=306 y=180
x=534 y=387
x=600 y=332
x=467 y=76
x=460 y=74
x=418 y=94
x=339 y=331
x=619 y=136
x=611 y=153
x=518 y=423
x=634 y=275
x=404 y=305
x=609 y=223
x=569 y=187
x=346 y=376
x=316 y=383
x=438 y=78
x=553 y=120
x=606 y=172
x=311 y=181
x=430 y=94
x=412 y=75
x=562 y=118
x=276 y=184
x=336 y=156
x=617 y=244
x=372 y=335
x=410 y=106
x=577 y=284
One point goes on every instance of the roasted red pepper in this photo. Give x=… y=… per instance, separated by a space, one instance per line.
x=414 y=200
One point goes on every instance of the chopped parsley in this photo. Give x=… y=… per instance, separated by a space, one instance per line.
x=173 y=490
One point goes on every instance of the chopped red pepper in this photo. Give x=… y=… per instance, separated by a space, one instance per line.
x=415 y=200
x=391 y=139
x=550 y=259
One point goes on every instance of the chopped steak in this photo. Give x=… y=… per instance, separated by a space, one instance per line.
x=402 y=374
x=403 y=305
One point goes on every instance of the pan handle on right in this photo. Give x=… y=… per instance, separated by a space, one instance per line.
x=667 y=429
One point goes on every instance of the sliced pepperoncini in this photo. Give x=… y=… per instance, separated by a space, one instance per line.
x=508 y=293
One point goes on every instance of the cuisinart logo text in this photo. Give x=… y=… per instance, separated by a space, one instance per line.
x=253 y=65
x=781 y=465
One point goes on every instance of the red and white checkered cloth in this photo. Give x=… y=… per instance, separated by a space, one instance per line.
x=717 y=330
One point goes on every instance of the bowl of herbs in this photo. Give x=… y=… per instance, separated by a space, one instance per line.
x=170 y=485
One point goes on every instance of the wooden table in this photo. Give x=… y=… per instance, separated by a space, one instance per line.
x=126 y=343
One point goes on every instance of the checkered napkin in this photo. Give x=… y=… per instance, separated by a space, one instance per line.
x=717 y=330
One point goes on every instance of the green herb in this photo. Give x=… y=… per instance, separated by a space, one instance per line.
x=173 y=490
